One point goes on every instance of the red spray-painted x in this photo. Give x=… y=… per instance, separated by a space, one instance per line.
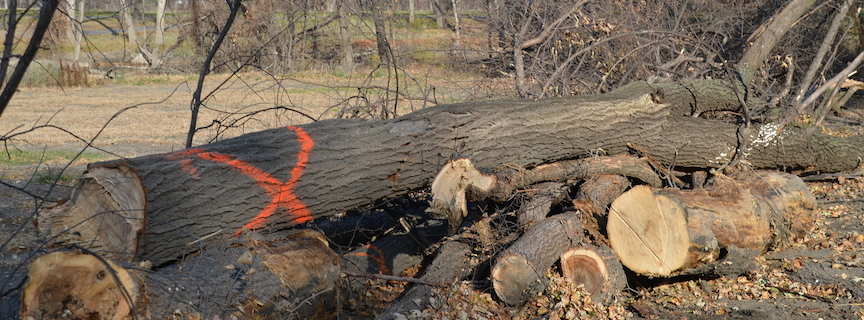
x=282 y=193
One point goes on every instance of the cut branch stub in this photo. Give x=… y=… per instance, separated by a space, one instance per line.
x=596 y=268
x=450 y=185
x=663 y=231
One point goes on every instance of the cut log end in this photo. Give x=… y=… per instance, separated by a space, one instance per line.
x=513 y=277
x=81 y=286
x=105 y=214
x=585 y=267
x=661 y=231
x=649 y=231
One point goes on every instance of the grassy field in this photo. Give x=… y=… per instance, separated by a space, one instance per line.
x=141 y=111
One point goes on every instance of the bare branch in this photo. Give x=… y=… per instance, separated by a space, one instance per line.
x=820 y=55
x=42 y=25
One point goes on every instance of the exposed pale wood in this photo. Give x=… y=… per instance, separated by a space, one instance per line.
x=107 y=215
x=519 y=270
x=297 y=277
x=664 y=231
x=649 y=233
x=450 y=186
x=597 y=268
x=70 y=284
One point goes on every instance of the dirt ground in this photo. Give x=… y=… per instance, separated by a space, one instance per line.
x=821 y=277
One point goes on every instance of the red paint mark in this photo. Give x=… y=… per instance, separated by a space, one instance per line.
x=377 y=257
x=282 y=193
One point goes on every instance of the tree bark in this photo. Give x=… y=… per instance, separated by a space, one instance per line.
x=131 y=31
x=381 y=34
x=284 y=177
x=160 y=23
x=665 y=231
x=345 y=39
x=540 y=202
x=598 y=192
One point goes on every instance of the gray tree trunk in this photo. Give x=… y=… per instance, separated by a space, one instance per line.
x=282 y=177
x=160 y=23
x=131 y=31
x=345 y=40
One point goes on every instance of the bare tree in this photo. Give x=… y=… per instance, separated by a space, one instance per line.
x=45 y=15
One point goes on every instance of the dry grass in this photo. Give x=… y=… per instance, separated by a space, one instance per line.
x=159 y=117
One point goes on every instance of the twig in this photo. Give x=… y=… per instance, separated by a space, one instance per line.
x=205 y=70
x=839 y=201
x=831 y=176
x=391 y=278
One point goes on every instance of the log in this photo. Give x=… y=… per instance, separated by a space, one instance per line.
x=598 y=192
x=284 y=177
x=519 y=270
x=540 y=202
x=661 y=232
x=597 y=268
x=297 y=277
x=107 y=208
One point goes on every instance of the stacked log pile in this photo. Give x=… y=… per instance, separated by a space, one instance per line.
x=649 y=230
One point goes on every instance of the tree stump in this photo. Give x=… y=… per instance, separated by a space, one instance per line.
x=295 y=277
x=70 y=284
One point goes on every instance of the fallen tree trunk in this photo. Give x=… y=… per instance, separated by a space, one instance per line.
x=665 y=231
x=283 y=177
x=297 y=277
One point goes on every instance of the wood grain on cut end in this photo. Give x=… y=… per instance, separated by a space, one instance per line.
x=585 y=267
x=648 y=232
x=81 y=286
x=104 y=214
x=511 y=275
